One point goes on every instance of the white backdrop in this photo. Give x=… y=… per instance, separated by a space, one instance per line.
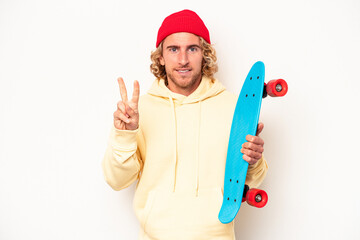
x=59 y=61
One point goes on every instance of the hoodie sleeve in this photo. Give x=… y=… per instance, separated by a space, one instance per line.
x=122 y=161
x=256 y=173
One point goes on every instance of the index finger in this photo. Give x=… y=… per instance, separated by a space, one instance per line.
x=136 y=92
x=122 y=87
x=255 y=139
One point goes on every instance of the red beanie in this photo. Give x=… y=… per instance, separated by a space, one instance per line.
x=183 y=21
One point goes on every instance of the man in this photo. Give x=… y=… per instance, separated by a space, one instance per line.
x=174 y=139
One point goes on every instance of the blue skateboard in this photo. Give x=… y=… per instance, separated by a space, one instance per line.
x=245 y=121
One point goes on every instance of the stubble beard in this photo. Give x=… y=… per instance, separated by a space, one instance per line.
x=183 y=85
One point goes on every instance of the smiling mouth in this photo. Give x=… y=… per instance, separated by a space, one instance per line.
x=183 y=71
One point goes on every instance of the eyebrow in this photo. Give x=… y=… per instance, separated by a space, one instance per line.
x=172 y=46
x=194 y=45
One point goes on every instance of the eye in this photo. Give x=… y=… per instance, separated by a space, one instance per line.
x=173 y=49
x=193 y=49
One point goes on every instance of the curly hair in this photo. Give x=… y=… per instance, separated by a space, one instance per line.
x=209 y=64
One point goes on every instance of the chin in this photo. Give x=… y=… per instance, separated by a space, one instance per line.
x=185 y=82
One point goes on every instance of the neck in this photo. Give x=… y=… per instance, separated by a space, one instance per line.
x=186 y=91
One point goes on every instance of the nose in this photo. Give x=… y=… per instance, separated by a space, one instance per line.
x=183 y=58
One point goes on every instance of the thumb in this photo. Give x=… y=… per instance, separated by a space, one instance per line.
x=259 y=128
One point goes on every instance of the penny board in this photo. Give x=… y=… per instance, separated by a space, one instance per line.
x=245 y=121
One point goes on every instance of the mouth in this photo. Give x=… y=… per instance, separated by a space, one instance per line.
x=182 y=71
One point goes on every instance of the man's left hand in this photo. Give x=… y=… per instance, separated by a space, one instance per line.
x=254 y=147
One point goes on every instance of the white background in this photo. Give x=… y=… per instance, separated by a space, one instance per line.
x=59 y=61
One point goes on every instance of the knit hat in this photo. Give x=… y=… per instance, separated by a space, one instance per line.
x=183 y=21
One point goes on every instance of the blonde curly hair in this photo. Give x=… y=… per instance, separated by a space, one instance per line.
x=209 y=64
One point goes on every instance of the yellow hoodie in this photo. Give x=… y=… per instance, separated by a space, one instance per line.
x=178 y=155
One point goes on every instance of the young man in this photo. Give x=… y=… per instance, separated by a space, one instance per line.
x=174 y=139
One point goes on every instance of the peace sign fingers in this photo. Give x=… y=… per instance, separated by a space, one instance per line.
x=126 y=117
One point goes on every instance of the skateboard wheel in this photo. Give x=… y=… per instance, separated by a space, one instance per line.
x=277 y=88
x=256 y=198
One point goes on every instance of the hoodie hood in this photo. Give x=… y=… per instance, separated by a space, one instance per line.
x=208 y=88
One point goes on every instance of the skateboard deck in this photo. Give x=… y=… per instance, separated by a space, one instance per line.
x=245 y=121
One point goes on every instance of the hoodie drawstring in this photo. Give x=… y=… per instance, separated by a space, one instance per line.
x=198 y=153
x=175 y=127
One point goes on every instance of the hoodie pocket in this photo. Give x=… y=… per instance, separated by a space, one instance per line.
x=184 y=215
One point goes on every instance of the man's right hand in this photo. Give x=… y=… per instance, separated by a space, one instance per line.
x=126 y=117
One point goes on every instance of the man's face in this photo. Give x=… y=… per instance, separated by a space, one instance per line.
x=182 y=58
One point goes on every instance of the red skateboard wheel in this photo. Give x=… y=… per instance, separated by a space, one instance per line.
x=277 y=88
x=256 y=198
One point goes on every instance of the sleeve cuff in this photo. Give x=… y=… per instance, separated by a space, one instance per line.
x=258 y=164
x=123 y=139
